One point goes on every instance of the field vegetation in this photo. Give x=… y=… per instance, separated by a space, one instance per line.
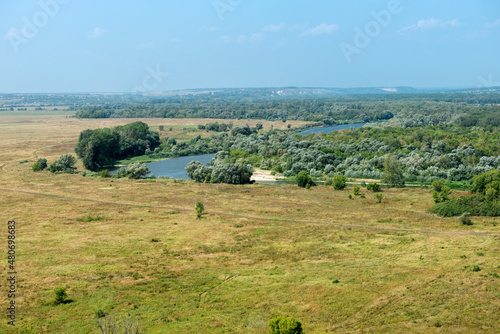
x=94 y=248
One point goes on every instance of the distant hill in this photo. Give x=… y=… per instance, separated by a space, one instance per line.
x=286 y=92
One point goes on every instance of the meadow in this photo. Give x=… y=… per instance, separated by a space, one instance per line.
x=135 y=249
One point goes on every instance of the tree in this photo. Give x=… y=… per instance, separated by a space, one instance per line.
x=442 y=196
x=134 y=171
x=198 y=172
x=232 y=173
x=198 y=209
x=65 y=164
x=355 y=189
x=393 y=174
x=61 y=295
x=482 y=182
x=304 y=179
x=339 y=182
x=259 y=126
x=437 y=185
x=283 y=325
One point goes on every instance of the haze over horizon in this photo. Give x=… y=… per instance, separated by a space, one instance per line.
x=55 y=46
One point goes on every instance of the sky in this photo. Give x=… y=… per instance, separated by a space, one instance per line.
x=65 y=46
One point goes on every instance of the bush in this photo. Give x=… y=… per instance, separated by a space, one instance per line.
x=465 y=220
x=473 y=205
x=304 y=179
x=36 y=167
x=476 y=268
x=437 y=185
x=61 y=296
x=283 y=325
x=355 y=189
x=104 y=173
x=339 y=182
x=373 y=186
x=379 y=198
x=329 y=182
x=65 y=164
x=442 y=196
x=198 y=209
x=134 y=171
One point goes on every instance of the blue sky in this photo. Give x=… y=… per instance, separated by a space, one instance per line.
x=157 y=45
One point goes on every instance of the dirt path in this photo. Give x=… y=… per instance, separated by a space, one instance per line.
x=380 y=228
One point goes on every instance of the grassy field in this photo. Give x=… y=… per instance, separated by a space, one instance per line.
x=135 y=249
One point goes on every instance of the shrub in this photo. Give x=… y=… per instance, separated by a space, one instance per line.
x=36 y=167
x=134 y=171
x=198 y=209
x=379 y=198
x=476 y=268
x=437 y=185
x=283 y=325
x=442 y=196
x=339 y=182
x=355 y=189
x=61 y=296
x=104 y=173
x=65 y=164
x=304 y=179
x=329 y=182
x=373 y=186
x=464 y=219
x=473 y=205
x=100 y=313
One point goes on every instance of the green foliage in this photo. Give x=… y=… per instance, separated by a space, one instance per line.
x=476 y=268
x=65 y=164
x=374 y=186
x=104 y=173
x=355 y=189
x=442 y=196
x=198 y=172
x=89 y=218
x=379 y=198
x=339 y=182
x=474 y=205
x=42 y=162
x=437 y=185
x=98 y=148
x=283 y=325
x=482 y=182
x=329 y=182
x=304 y=179
x=133 y=171
x=36 y=167
x=198 y=209
x=393 y=174
x=60 y=296
x=100 y=313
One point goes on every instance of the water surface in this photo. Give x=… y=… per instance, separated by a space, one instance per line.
x=328 y=129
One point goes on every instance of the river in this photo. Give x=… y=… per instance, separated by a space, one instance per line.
x=328 y=129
